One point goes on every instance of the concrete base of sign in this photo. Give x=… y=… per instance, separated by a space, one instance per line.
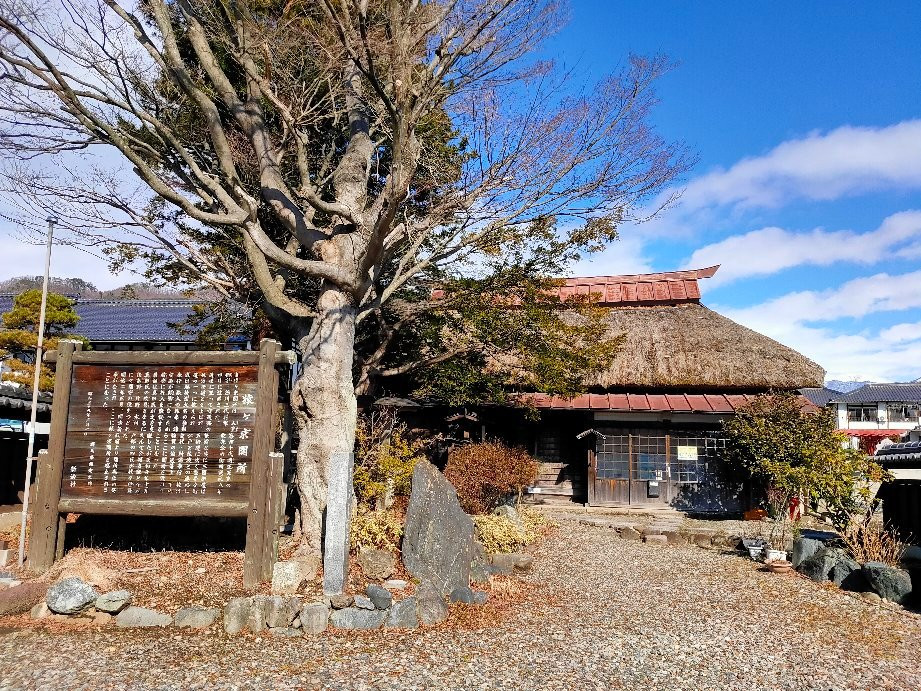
x=336 y=541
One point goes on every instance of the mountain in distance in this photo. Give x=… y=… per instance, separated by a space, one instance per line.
x=845 y=386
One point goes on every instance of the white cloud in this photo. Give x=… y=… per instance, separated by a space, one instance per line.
x=625 y=256
x=23 y=259
x=795 y=319
x=819 y=166
x=769 y=250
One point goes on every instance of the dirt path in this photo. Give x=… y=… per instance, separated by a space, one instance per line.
x=598 y=612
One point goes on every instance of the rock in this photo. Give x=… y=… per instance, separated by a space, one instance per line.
x=430 y=604
x=847 y=574
x=438 y=544
x=279 y=611
x=22 y=597
x=480 y=597
x=803 y=548
x=381 y=597
x=113 y=602
x=195 y=617
x=703 y=540
x=40 y=611
x=355 y=618
x=255 y=620
x=141 y=617
x=673 y=537
x=314 y=618
x=102 y=577
x=819 y=565
x=403 y=615
x=376 y=564
x=463 y=594
x=70 y=596
x=289 y=576
x=102 y=618
x=286 y=632
x=480 y=569
x=911 y=557
x=629 y=534
x=364 y=602
x=236 y=614
x=871 y=597
x=888 y=582
x=507 y=563
x=341 y=601
x=656 y=539
x=395 y=585
x=511 y=513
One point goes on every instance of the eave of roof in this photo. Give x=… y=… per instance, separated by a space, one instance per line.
x=640 y=402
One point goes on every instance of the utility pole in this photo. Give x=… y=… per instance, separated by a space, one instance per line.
x=52 y=220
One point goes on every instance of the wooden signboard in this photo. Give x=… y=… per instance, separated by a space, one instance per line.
x=163 y=434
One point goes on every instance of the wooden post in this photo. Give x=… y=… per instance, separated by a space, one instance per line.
x=254 y=562
x=275 y=498
x=590 y=475
x=44 y=534
x=629 y=470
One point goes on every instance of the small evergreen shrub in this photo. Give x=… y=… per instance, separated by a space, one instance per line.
x=377 y=529
x=485 y=474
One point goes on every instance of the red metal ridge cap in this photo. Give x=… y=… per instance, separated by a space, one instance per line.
x=685 y=275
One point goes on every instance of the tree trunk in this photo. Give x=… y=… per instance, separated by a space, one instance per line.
x=325 y=408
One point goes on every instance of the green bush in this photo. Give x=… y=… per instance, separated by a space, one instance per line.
x=485 y=474
x=384 y=458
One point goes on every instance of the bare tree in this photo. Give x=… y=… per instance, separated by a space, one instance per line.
x=334 y=158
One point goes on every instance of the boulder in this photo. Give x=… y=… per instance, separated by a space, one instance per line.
x=888 y=582
x=819 y=565
x=803 y=548
x=102 y=618
x=102 y=577
x=113 y=602
x=629 y=534
x=658 y=539
x=364 y=602
x=286 y=632
x=376 y=564
x=141 y=617
x=871 y=597
x=673 y=537
x=480 y=597
x=480 y=569
x=511 y=513
x=403 y=615
x=40 y=611
x=314 y=618
x=703 y=540
x=341 y=601
x=195 y=617
x=279 y=611
x=848 y=575
x=236 y=614
x=395 y=584
x=70 y=596
x=911 y=557
x=381 y=597
x=511 y=562
x=438 y=544
x=463 y=594
x=355 y=618
x=22 y=597
x=430 y=604
x=288 y=576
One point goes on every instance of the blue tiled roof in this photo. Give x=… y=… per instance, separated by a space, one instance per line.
x=876 y=393
x=127 y=320
x=820 y=396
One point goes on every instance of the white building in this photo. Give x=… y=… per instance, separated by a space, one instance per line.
x=877 y=411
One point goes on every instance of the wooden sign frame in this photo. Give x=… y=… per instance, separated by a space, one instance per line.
x=266 y=490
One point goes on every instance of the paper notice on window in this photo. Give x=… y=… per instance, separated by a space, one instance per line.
x=687 y=453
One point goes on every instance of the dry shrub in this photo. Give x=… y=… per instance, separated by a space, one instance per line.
x=377 y=529
x=502 y=534
x=486 y=474
x=870 y=541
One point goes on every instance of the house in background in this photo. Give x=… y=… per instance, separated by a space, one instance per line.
x=878 y=411
x=646 y=432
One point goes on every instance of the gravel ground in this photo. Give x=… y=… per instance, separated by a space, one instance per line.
x=597 y=613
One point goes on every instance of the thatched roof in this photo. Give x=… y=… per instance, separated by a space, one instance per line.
x=687 y=346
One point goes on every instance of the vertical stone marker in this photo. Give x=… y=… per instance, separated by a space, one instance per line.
x=338 y=504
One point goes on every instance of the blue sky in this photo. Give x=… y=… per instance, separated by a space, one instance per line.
x=806 y=120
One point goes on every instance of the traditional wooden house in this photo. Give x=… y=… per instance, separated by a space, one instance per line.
x=646 y=432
